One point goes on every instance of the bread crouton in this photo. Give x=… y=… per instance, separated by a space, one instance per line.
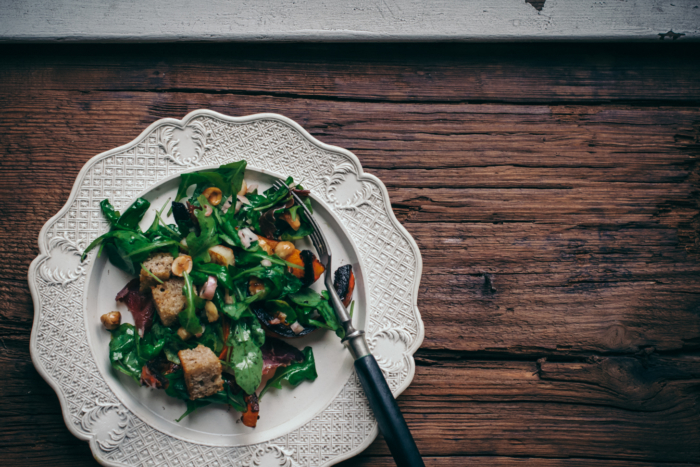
x=169 y=299
x=202 y=370
x=159 y=264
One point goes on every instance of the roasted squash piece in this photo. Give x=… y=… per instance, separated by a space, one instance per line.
x=250 y=417
x=312 y=266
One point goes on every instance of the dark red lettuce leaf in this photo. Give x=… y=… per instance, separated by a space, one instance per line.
x=268 y=219
x=277 y=353
x=139 y=304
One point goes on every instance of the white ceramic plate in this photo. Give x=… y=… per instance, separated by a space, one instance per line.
x=315 y=424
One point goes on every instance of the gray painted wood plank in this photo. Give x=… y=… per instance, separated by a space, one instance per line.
x=355 y=20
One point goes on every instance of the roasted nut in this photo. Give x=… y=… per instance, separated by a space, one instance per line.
x=182 y=264
x=255 y=285
x=222 y=255
x=184 y=334
x=111 y=320
x=213 y=195
x=265 y=245
x=211 y=311
x=293 y=223
x=183 y=242
x=284 y=249
x=244 y=189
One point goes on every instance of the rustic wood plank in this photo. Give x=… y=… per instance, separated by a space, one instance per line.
x=499 y=461
x=449 y=73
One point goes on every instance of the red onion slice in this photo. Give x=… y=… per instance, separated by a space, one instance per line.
x=208 y=289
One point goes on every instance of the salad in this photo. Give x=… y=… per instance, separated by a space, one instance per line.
x=218 y=295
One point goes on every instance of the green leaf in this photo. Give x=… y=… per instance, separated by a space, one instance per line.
x=109 y=212
x=199 y=244
x=151 y=247
x=240 y=309
x=294 y=373
x=133 y=214
x=188 y=317
x=326 y=311
x=228 y=178
x=212 y=338
x=234 y=173
x=123 y=351
x=305 y=297
x=220 y=272
x=176 y=386
x=280 y=306
x=248 y=257
x=293 y=212
x=246 y=358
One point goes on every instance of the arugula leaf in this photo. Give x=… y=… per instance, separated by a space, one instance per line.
x=294 y=373
x=280 y=281
x=246 y=358
x=228 y=178
x=326 y=311
x=212 y=337
x=247 y=257
x=133 y=214
x=305 y=297
x=109 y=212
x=178 y=389
x=128 y=353
x=118 y=245
x=188 y=317
x=176 y=386
x=289 y=234
x=199 y=245
x=234 y=173
x=220 y=272
x=280 y=306
x=238 y=310
x=172 y=245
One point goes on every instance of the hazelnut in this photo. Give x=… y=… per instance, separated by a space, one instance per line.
x=213 y=195
x=184 y=334
x=211 y=311
x=284 y=249
x=111 y=320
x=182 y=264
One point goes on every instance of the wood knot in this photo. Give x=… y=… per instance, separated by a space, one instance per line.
x=488 y=288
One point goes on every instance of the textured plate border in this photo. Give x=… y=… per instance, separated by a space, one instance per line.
x=390 y=257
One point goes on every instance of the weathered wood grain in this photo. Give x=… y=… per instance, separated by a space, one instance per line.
x=557 y=219
x=448 y=73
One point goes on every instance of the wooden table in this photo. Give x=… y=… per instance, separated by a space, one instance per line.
x=554 y=192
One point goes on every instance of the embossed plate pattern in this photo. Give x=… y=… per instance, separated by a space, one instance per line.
x=391 y=268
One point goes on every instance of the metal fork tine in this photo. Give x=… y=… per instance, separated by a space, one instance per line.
x=317 y=237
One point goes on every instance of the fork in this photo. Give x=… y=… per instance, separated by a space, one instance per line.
x=391 y=422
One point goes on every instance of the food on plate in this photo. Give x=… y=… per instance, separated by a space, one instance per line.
x=215 y=291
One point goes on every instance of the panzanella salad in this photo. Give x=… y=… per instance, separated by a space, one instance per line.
x=214 y=294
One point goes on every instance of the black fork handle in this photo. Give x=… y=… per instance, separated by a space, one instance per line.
x=391 y=422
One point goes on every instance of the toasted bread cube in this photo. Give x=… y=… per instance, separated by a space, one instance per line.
x=202 y=370
x=159 y=264
x=169 y=299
